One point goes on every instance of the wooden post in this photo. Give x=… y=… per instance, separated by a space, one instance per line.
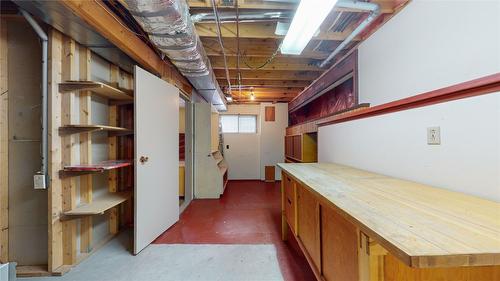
x=86 y=227
x=4 y=146
x=113 y=151
x=68 y=150
x=55 y=250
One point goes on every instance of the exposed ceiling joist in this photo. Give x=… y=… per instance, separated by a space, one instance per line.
x=297 y=63
x=269 y=74
x=386 y=6
x=254 y=48
x=269 y=83
x=258 y=30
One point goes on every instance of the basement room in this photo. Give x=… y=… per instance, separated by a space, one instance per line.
x=250 y=140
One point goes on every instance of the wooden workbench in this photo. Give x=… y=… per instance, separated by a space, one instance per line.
x=356 y=225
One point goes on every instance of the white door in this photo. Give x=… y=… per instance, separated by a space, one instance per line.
x=156 y=197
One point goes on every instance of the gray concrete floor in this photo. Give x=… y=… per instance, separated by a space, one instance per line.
x=172 y=262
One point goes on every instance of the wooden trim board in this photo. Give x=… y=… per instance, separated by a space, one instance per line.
x=485 y=85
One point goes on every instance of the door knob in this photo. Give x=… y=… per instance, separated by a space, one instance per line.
x=143 y=159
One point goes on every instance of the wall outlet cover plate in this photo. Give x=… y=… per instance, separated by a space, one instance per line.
x=434 y=135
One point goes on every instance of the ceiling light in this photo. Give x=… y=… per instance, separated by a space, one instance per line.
x=307 y=19
x=252 y=96
x=229 y=98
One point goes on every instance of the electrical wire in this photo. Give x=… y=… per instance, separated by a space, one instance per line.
x=268 y=61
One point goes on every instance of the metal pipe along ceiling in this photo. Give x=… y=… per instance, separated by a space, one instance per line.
x=374 y=13
x=171 y=30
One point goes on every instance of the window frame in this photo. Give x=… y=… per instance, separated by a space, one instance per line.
x=255 y=116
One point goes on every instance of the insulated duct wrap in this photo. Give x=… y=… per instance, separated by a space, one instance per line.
x=169 y=27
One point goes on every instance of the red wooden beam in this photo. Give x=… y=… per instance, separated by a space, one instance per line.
x=485 y=85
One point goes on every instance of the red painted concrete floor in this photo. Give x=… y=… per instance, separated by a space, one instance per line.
x=249 y=212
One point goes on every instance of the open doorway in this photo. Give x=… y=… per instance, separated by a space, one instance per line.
x=185 y=152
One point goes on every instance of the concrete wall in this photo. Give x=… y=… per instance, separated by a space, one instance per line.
x=417 y=51
x=248 y=154
x=27 y=207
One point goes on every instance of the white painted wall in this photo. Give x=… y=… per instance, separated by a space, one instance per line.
x=428 y=45
x=468 y=159
x=249 y=153
x=272 y=149
x=243 y=155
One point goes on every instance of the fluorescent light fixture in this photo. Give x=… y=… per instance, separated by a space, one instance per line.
x=307 y=19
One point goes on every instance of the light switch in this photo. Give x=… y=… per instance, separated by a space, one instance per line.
x=434 y=135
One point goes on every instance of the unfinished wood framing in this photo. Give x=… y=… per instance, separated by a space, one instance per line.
x=113 y=152
x=55 y=152
x=86 y=226
x=4 y=146
x=70 y=145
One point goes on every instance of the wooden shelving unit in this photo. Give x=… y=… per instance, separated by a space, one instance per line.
x=75 y=175
x=78 y=129
x=82 y=169
x=99 y=204
x=301 y=148
x=97 y=88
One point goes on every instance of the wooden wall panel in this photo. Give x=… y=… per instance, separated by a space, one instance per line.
x=270 y=113
x=339 y=244
x=4 y=146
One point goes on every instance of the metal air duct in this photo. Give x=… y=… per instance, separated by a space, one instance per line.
x=171 y=30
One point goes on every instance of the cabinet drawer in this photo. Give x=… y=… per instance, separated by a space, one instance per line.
x=290 y=203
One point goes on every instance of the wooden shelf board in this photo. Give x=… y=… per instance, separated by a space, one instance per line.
x=98 y=88
x=81 y=169
x=100 y=204
x=75 y=129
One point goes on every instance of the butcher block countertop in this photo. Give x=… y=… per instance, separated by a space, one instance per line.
x=423 y=226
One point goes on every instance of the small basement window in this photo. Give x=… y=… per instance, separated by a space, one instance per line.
x=239 y=123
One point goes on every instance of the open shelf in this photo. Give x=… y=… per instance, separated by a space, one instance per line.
x=100 y=204
x=76 y=129
x=80 y=169
x=98 y=88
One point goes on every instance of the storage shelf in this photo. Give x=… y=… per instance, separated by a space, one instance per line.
x=81 y=169
x=76 y=129
x=98 y=88
x=100 y=204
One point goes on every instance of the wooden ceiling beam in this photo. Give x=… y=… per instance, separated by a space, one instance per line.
x=269 y=74
x=253 y=5
x=296 y=63
x=258 y=30
x=97 y=16
x=267 y=83
x=385 y=6
x=254 y=48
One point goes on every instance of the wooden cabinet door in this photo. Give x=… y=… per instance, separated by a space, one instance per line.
x=290 y=203
x=308 y=224
x=339 y=247
x=297 y=147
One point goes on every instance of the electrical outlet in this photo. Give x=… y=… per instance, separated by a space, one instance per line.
x=434 y=135
x=39 y=181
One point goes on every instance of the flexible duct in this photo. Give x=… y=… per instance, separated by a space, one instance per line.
x=170 y=29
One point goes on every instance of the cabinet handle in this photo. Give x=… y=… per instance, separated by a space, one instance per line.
x=289 y=201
